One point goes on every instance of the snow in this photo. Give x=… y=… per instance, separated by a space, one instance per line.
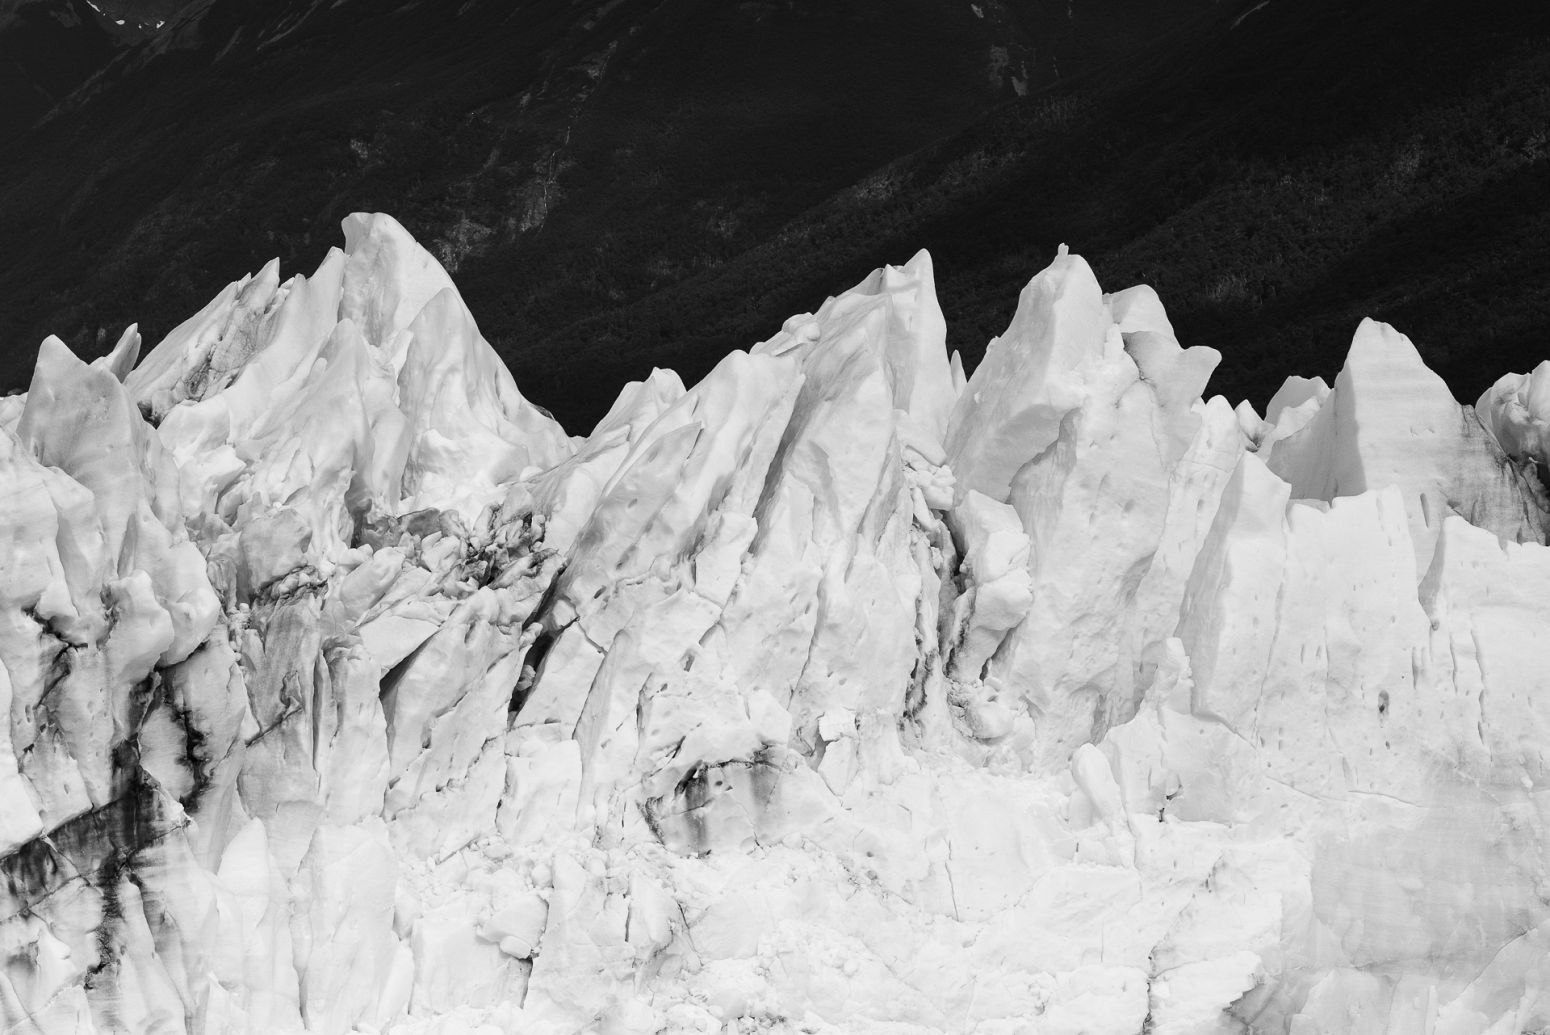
x=346 y=692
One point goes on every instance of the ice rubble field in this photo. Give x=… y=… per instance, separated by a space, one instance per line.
x=346 y=692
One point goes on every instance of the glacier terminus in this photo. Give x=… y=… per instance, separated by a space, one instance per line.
x=838 y=693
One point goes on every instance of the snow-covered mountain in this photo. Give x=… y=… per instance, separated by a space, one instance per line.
x=836 y=693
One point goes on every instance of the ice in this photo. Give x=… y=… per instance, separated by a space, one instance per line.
x=345 y=692
x=1516 y=409
x=1032 y=376
x=1391 y=421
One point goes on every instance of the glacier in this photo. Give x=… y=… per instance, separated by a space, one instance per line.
x=837 y=693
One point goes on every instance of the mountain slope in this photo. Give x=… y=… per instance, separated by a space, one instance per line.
x=47 y=49
x=593 y=176
x=1275 y=177
x=571 y=159
x=140 y=19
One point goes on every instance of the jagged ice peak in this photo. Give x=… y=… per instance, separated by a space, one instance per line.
x=837 y=693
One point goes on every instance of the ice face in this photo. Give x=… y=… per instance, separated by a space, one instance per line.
x=835 y=693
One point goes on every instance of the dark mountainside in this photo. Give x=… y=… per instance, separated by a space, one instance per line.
x=1277 y=172
x=563 y=160
x=48 y=48
x=656 y=183
x=140 y=16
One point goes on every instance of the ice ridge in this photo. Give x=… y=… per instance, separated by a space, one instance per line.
x=346 y=692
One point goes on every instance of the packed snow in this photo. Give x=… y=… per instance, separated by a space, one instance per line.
x=836 y=693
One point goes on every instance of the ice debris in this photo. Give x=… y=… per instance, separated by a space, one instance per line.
x=835 y=693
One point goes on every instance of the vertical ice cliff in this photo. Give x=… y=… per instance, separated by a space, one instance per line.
x=347 y=693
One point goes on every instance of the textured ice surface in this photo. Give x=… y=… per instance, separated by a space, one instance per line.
x=346 y=692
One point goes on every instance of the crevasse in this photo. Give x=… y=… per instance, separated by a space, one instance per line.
x=346 y=692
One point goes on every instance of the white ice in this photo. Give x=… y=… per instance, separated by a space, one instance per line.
x=836 y=693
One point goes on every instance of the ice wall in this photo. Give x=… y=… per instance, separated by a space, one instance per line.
x=347 y=693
